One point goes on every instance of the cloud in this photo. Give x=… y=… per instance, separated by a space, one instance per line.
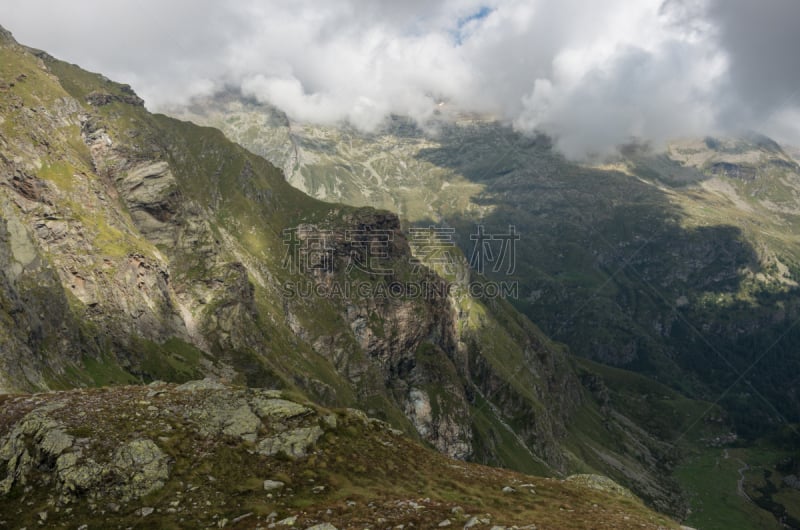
x=592 y=74
x=601 y=94
x=761 y=41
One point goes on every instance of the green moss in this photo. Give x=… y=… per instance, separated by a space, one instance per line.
x=175 y=360
x=105 y=371
x=60 y=173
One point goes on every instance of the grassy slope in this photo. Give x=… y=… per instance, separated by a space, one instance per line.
x=710 y=476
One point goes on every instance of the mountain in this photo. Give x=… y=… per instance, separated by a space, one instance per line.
x=680 y=265
x=135 y=247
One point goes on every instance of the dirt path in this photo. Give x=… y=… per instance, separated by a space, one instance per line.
x=740 y=482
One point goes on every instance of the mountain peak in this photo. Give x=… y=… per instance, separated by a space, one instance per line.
x=6 y=36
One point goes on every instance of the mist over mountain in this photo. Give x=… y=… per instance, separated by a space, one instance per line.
x=593 y=75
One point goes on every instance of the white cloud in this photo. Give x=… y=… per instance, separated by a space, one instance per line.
x=593 y=74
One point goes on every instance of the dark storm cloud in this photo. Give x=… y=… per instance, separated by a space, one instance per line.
x=762 y=42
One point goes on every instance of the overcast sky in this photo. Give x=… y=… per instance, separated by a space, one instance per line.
x=593 y=73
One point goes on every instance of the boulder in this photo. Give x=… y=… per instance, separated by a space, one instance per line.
x=294 y=443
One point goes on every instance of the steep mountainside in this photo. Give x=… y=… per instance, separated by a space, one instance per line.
x=683 y=266
x=136 y=247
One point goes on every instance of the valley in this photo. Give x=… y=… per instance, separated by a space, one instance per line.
x=680 y=266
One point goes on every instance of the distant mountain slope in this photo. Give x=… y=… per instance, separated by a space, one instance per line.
x=683 y=266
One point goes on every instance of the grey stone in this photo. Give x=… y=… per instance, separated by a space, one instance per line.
x=143 y=467
x=278 y=408
x=227 y=413
x=77 y=474
x=294 y=443
x=330 y=421
x=601 y=483
x=49 y=439
x=202 y=384
x=242 y=423
x=272 y=485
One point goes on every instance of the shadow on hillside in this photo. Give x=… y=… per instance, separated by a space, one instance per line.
x=605 y=265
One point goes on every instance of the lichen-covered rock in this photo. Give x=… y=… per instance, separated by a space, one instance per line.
x=278 y=409
x=78 y=474
x=227 y=413
x=37 y=440
x=294 y=443
x=142 y=466
x=601 y=483
x=202 y=384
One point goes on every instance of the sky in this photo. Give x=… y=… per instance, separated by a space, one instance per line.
x=592 y=74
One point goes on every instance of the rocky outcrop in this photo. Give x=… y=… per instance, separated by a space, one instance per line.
x=99 y=99
x=601 y=483
x=38 y=443
x=144 y=466
x=396 y=332
x=294 y=443
x=153 y=456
